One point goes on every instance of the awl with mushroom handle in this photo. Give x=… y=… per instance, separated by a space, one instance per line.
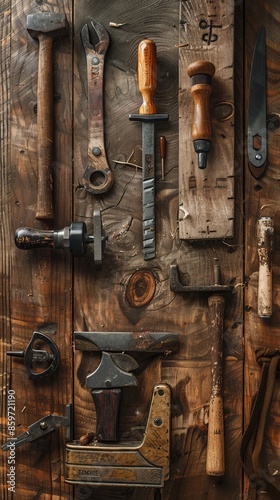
x=201 y=73
x=147 y=73
x=73 y=238
x=45 y=26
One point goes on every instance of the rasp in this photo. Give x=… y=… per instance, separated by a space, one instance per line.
x=147 y=75
x=257 y=116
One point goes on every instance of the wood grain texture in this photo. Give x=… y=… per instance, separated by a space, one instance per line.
x=262 y=199
x=206 y=196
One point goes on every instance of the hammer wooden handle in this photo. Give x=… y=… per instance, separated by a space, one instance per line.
x=147 y=74
x=44 y=204
x=107 y=405
x=201 y=73
x=265 y=234
x=215 y=460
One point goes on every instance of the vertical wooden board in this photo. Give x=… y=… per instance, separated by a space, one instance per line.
x=206 y=196
x=5 y=24
x=41 y=282
x=262 y=199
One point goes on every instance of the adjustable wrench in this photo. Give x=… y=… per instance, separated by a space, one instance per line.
x=98 y=177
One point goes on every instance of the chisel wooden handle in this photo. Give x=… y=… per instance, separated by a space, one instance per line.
x=201 y=73
x=215 y=460
x=107 y=405
x=44 y=205
x=147 y=75
x=265 y=234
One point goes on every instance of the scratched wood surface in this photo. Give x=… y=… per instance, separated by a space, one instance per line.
x=262 y=199
x=206 y=196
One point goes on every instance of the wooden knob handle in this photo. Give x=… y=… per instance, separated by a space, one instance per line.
x=215 y=460
x=107 y=405
x=201 y=73
x=147 y=75
x=265 y=236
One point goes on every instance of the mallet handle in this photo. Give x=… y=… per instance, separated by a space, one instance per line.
x=215 y=460
x=44 y=204
x=147 y=75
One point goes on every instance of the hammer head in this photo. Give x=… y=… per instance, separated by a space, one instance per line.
x=55 y=25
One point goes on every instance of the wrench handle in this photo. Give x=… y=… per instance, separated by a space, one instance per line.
x=215 y=460
x=107 y=406
x=27 y=238
x=147 y=75
x=44 y=204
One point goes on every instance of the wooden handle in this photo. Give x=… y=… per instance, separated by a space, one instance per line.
x=215 y=459
x=44 y=205
x=265 y=234
x=201 y=73
x=162 y=147
x=147 y=75
x=107 y=405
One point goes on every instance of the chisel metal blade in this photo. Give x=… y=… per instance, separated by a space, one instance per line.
x=257 y=114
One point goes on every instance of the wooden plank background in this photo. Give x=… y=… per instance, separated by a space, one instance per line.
x=49 y=290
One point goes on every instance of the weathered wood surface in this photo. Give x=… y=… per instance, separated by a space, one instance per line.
x=206 y=196
x=262 y=199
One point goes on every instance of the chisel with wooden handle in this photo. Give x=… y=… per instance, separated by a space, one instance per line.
x=201 y=73
x=265 y=236
x=147 y=73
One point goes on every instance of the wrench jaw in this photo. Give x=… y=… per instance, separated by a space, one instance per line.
x=96 y=32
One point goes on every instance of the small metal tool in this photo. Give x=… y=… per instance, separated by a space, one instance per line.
x=39 y=363
x=128 y=464
x=215 y=459
x=73 y=238
x=257 y=113
x=45 y=26
x=147 y=72
x=162 y=149
x=98 y=177
x=43 y=427
x=113 y=371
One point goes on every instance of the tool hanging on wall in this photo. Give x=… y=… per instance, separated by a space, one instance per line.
x=129 y=464
x=46 y=27
x=147 y=74
x=201 y=73
x=98 y=177
x=215 y=459
x=113 y=372
x=265 y=240
x=206 y=196
x=43 y=427
x=257 y=113
x=39 y=363
x=73 y=238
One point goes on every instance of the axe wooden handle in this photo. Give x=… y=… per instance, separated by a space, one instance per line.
x=107 y=406
x=147 y=75
x=44 y=205
x=215 y=460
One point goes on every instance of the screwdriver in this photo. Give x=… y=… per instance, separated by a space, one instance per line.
x=162 y=148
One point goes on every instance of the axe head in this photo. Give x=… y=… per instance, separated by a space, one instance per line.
x=55 y=25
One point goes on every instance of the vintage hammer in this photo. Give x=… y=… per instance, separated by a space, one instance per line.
x=45 y=26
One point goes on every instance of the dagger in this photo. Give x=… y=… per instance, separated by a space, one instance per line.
x=148 y=116
x=257 y=115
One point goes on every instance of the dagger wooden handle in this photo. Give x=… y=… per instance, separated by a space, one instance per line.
x=265 y=233
x=201 y=73
x=215 y=460
x=147 y=75
x=107 y=406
